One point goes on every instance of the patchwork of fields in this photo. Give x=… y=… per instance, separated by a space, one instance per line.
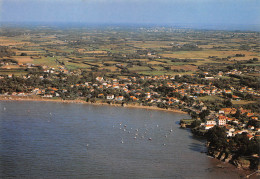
x=122 y=52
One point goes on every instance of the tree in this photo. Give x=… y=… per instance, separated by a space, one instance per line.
x=193 y=115
x=217 y=138
x=23 y=54
x=228 y=103
x=237 y=114
x=203 y=114
x=195 y=123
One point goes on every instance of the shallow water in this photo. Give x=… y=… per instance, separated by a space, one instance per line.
x=59 y=140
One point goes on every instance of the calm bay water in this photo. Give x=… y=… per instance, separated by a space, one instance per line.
x=58 y=140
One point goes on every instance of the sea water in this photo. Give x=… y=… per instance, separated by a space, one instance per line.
x=63 y=140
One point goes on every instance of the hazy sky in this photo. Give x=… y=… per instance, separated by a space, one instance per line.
x=132 y=11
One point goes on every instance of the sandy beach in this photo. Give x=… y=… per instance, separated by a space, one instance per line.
x=36 y=98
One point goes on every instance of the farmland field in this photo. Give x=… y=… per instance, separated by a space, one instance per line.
x=165 y=51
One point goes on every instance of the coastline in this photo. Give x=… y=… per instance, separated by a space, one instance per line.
x=78 y=101
x=243 y=171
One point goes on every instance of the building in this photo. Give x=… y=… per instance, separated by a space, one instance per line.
x=221 y=121
x=119 y=98
x=110 y=97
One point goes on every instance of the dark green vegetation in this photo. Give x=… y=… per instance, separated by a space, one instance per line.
x=237 y=149
x=239 y=145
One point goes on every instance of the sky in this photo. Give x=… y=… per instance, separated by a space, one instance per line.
x=214 y=12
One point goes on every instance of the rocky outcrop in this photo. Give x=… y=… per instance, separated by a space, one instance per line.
x=242 y=163
x=183 y=125
x=228 y=158
x=222 y=156
x=237 y=163
x=214 y=153
x=247 y=163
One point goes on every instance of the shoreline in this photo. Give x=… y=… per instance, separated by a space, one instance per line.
x=243 y=171
x=78 y=101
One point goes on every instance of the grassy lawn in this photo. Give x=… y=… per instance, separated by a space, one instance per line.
x=187 y=121
x=243 y=102
x=139 y=68
x=15 y=72
x=159 y=68
x=49 y=61
x=210 y=98
x=74 y=66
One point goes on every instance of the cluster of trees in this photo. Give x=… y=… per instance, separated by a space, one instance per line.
x=240 y=145
x=184 y=60
x=185 y=47
x=5 y=51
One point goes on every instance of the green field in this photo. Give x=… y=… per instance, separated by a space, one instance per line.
x=132 y=51
x=242 y=102
x=212 y=98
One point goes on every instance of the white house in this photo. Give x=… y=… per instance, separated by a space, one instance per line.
x=148 y=95
x=110 y=97
x=211 y=122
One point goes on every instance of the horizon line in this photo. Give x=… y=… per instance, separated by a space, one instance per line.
x=197 y=26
